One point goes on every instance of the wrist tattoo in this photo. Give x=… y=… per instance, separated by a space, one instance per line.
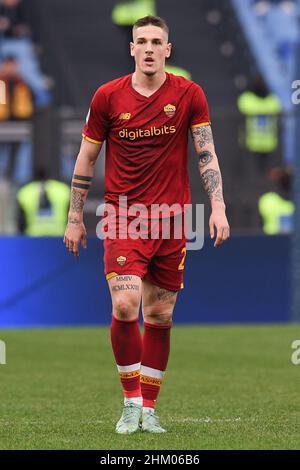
x=73 y=221
x=77 y=201
x=218 y=196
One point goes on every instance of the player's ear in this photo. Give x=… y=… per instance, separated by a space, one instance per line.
x=131 y=49
x=169 y=49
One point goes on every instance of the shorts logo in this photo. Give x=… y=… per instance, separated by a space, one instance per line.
x=125 y=116
x=121 y=260
x=170 y=110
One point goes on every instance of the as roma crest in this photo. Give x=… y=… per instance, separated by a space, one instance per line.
x=170 y=110
x=121 y=260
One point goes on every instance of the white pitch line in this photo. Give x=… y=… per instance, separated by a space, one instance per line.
x=206 y=420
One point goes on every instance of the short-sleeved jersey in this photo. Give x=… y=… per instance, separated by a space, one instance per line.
x=146 y=138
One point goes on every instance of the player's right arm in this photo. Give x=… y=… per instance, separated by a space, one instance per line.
x=81 y=181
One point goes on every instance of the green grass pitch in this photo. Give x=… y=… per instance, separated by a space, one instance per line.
x=231 y=387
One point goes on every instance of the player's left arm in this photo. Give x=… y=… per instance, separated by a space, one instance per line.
x=212 y=181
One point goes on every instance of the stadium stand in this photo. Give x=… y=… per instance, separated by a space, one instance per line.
x=272 y=31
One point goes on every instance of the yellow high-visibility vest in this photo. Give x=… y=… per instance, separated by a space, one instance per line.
x=277 y=213
x=45 y=222
x=261 y=133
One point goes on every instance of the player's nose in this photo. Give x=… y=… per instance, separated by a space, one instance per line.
x=149 y=48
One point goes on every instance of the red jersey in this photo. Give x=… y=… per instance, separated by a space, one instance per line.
x=146 y=138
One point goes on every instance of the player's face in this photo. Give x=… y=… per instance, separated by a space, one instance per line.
x=150 y=48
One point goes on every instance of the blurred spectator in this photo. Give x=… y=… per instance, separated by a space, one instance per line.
x=276 y=207
x=261 y=109
x=15 y=156
x=43 y=206
x=175 y=70
x=15 y=40
x=18 y=98
x=282 y=29
x=127 y=12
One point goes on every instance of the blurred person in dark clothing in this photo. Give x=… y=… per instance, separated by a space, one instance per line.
x=16 y=105
x=12 y=19
x=18 y=97
x=15 y=40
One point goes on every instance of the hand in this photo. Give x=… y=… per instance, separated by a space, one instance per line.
x=218 y=219
x=75 y=232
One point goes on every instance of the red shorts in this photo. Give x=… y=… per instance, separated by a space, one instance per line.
x=160 y=261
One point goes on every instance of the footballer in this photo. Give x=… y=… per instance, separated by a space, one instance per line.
x=145 y=118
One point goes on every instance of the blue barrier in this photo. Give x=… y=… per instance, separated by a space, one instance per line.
x=246 y=280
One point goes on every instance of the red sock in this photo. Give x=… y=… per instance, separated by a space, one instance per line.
x=127 y=346
x=156 y=349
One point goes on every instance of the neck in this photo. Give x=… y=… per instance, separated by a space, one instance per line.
x=151 y=82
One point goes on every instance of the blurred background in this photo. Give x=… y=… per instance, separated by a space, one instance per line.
x=54 y=54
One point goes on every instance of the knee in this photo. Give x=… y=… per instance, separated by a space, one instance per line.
x=125 y=309
x=158 y=317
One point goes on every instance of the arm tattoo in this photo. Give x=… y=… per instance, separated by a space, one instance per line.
x=77 y=201
x=86 y=179
x=82 y=178
x=211 y=181
x=203 y=135
x=219 y=196
x=80 y=185
x=205 y=158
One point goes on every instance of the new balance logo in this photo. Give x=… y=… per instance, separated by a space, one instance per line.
x=125 y=116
